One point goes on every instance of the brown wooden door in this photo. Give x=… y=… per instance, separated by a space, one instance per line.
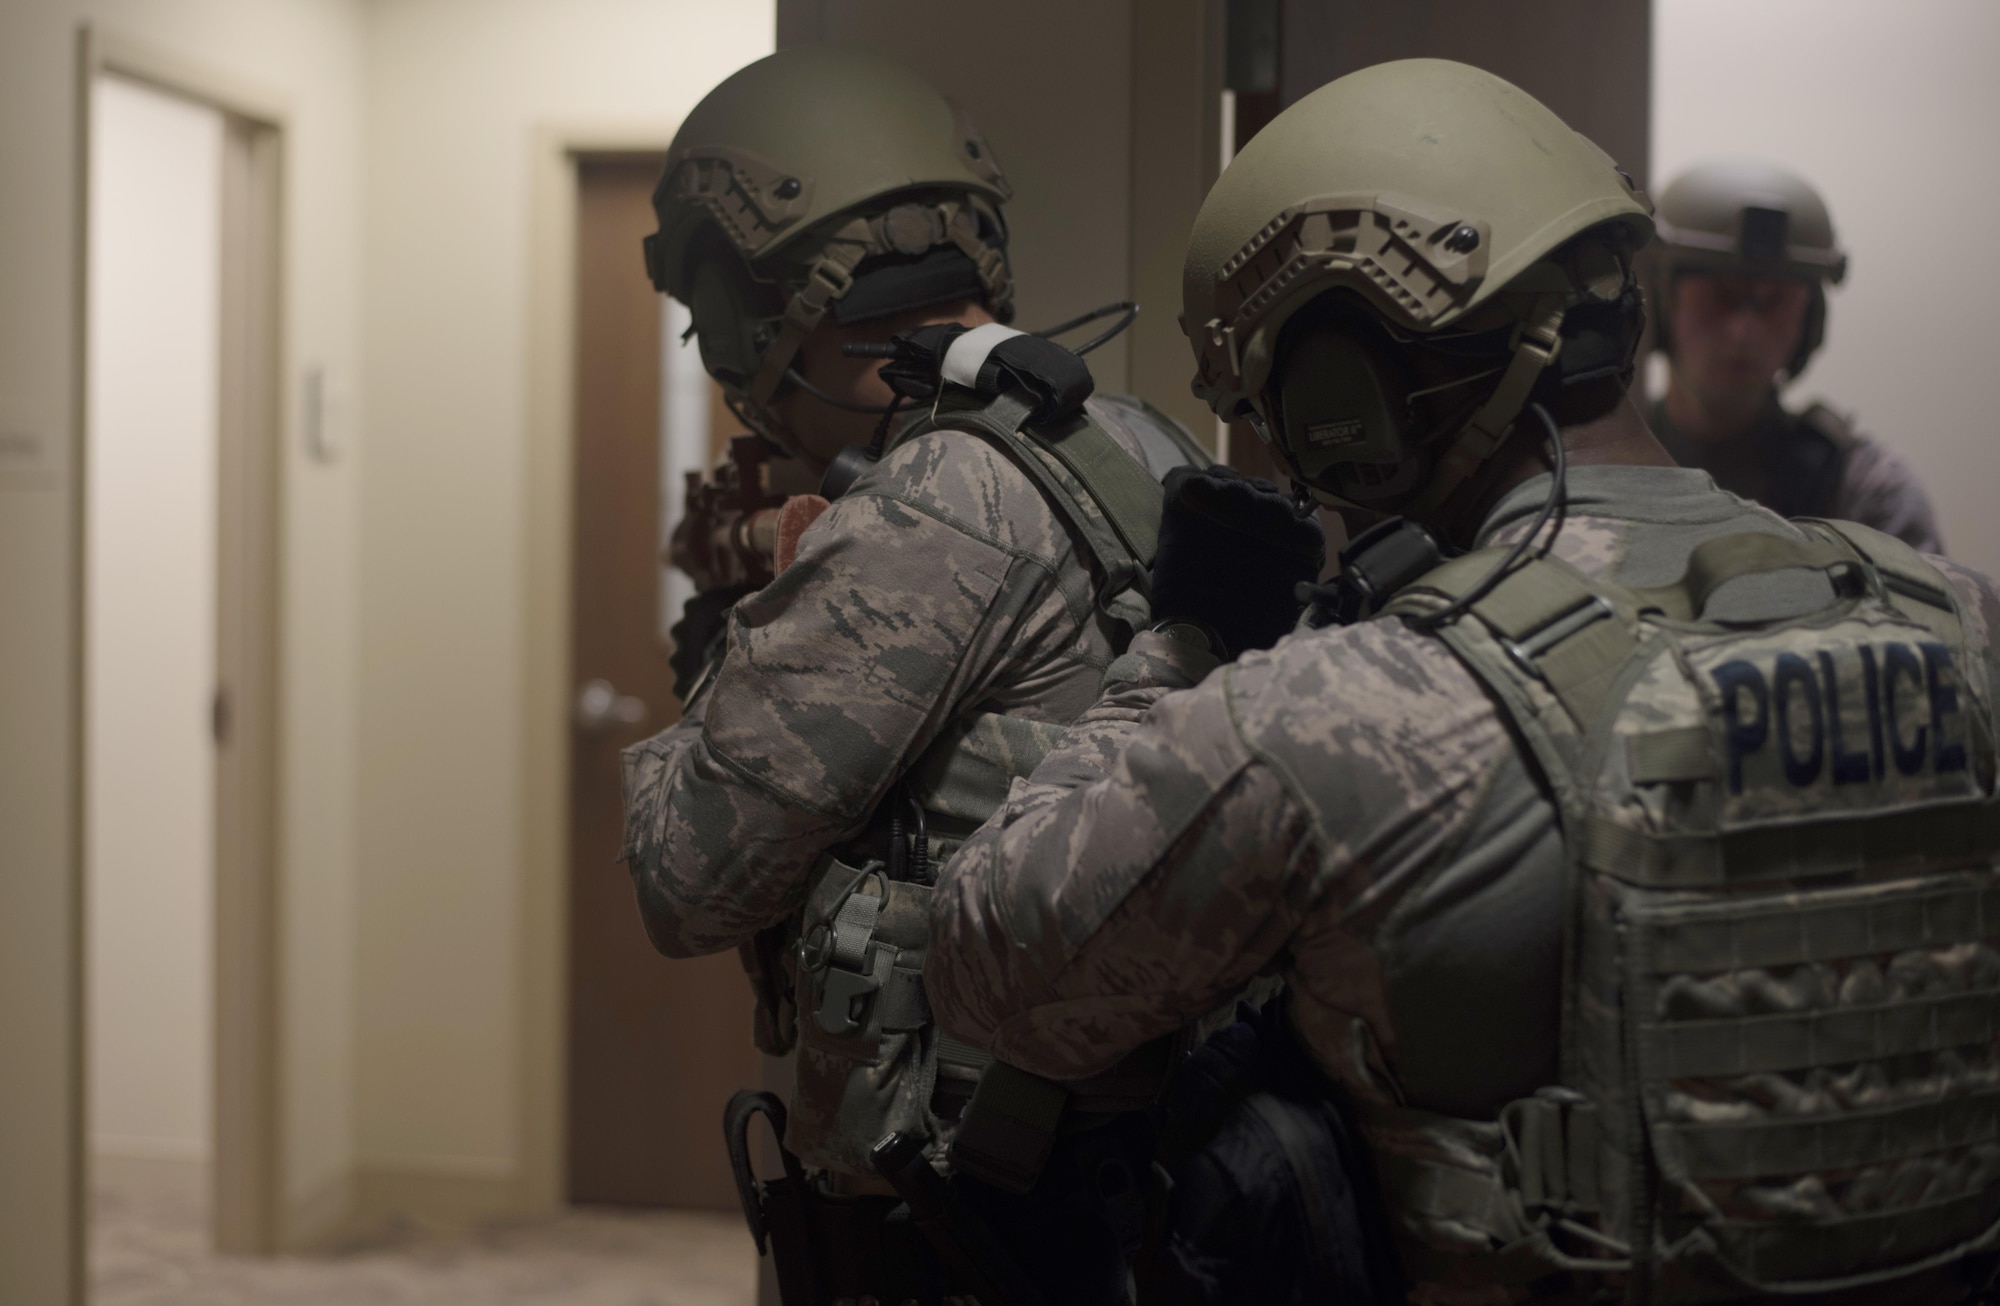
x=655 y=1046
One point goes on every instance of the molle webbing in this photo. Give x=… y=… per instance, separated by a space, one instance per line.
x=1781 y=1039
x=1945 y=835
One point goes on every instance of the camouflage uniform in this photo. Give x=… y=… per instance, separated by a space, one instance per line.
x=1811 y=464
x=1349 y=810
x=943 y=582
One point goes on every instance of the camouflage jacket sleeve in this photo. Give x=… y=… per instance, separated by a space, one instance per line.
x=1167 y=854
x=938 y=576
x=1879 y=488
x=1136 y=880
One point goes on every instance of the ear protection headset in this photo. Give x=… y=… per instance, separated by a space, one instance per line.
x=735 y=314
x=1347 y=413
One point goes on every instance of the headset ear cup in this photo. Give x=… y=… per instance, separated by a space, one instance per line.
x=1812 y=333
x=1342 y=405
x=728 y=307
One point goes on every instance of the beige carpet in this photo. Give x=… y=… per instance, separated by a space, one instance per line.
x=149 y=1248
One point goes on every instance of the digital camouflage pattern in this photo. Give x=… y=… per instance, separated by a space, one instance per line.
x=1801 y=467
x=1351 y=811
x=942 y=584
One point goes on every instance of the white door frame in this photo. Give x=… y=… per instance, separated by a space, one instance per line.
x=247 y=1154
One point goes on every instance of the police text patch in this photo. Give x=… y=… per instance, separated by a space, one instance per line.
x=1841 y=715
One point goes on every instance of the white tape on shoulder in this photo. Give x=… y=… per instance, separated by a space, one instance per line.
x=968 y=353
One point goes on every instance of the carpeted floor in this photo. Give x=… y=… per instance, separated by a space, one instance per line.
x=149 y=1248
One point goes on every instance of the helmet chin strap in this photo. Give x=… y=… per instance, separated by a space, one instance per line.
x=1539 y=343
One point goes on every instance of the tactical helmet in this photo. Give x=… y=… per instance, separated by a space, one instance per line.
x=1750 y=217
x=1444 y=204
x=821 y=180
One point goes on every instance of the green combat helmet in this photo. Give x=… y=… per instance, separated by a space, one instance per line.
x=1446 y=203
x=1752 y=218
x=821 y=180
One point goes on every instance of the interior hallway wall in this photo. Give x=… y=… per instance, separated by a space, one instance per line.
x=457 y=92
x=149 y=875
x=306 y=52
x=1888 y=111
x=1106 y=117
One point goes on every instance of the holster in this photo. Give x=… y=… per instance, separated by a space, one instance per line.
x=827 y=1246
x=775 y=1208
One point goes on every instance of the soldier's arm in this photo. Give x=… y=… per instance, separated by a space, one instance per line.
x=1879 y=488
x=835 y=675
x=1144 y=873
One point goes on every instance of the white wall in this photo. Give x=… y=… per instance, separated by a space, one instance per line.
x=305 y=53
x=154 y=317
x=457 y=90
x=1889 y=110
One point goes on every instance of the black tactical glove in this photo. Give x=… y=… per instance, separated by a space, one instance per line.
x=699 y=633
x=1233 y=549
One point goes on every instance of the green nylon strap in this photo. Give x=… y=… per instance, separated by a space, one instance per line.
x=1714 y=563
x=968 y=771
x=1443 y=1193
x=1130 y=498
x=1698 y=1049
x=1667 y=756
x=1847 y=1141
x=1532 y=597
x=1000 y=419
x=1554 y=623
x=1933 y=837
x=1781 y=932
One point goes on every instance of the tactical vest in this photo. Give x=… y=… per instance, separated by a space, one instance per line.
x=1781 y=984
x=843 y=984
x=1808 y=453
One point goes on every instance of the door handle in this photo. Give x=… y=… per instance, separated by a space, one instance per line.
x=600 y=707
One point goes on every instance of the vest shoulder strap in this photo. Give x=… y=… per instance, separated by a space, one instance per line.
x=1549 y=642
x=1918 y=589
x=1837 y=429
x=1106 y=495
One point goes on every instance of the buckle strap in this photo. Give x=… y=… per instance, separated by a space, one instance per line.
x=853 y=927
x=1716 y=562
x=830 y=277
x=1552 y=1156
x=1539 y=343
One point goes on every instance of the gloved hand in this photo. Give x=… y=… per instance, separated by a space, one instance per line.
x=699 y=633
x=1232 y=551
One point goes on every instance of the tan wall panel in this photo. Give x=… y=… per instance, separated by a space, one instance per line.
x=309 y=50
x=453 y=1086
